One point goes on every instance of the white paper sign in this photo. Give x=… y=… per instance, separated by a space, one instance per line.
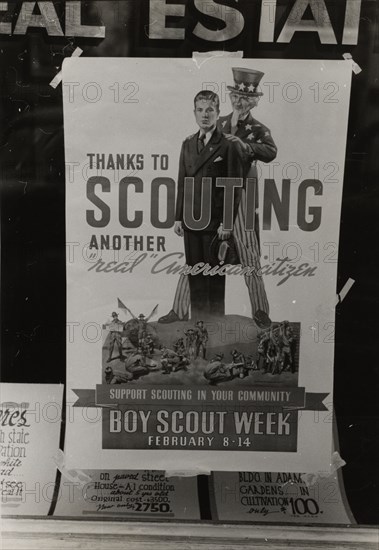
x=30 y=424
x=130 y=494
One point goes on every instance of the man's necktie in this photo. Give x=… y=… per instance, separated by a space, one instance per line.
x=200 y=143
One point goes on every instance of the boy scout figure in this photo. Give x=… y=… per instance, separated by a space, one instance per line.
x=116 y=328
x=201 y=340
x=255 y=143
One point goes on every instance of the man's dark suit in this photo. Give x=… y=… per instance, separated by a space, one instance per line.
x=261 y=148
x=218 y=159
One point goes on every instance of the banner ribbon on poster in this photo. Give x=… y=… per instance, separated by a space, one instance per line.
x=291 y=398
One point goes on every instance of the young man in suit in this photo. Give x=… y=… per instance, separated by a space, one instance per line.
x=206 y=154
x=254 y=143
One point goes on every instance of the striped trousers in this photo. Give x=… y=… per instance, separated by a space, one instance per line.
x=247 y=246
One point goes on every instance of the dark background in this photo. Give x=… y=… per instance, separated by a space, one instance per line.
x=33 y=290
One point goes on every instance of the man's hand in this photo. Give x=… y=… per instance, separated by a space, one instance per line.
x=178 y=228
x=222 y=234
x=243 y=148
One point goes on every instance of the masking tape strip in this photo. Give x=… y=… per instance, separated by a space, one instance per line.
x=345 y=289
x=201 y=57
x=336 y=462
x=74 y=476
x=58 y=77
x=354 y=67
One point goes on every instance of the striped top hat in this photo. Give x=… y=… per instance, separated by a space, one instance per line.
x=246 y=81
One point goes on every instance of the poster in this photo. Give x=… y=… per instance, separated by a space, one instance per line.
x=30 y=421
x=239 y=374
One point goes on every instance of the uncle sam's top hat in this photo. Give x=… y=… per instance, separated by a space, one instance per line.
x=246 y=81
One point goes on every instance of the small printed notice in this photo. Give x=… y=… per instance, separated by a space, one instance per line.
x=130 y=494
x=30 y=421
x=280 y=497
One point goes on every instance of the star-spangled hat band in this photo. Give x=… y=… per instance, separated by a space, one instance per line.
x=246 y=81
